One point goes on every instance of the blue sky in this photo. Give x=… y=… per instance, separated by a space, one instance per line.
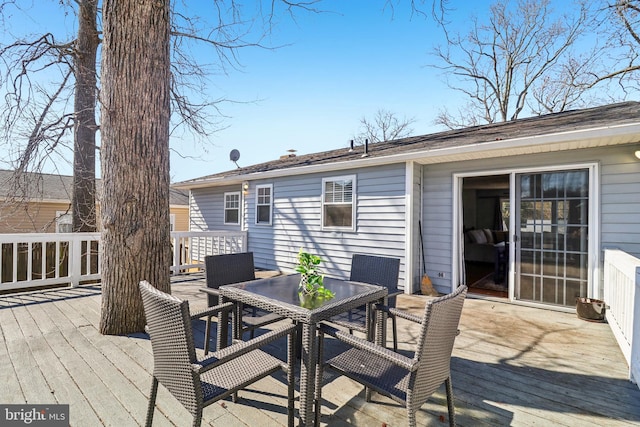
x=310 y=94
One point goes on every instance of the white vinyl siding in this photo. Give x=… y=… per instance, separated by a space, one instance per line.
x=297 y=221
x=206 y=209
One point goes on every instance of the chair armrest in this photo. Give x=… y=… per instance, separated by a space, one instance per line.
x=399 y=313
x=377 y=350
x=239 y=348
x=405 y=315
x=212 y=311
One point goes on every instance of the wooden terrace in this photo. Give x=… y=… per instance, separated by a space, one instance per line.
x=511 y=365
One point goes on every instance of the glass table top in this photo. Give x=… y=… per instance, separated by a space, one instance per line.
x=284 y=289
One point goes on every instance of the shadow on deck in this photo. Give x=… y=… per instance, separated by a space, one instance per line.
x=512 y=365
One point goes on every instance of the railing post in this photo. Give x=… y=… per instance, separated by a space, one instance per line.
x=634 y=366
x=75 y=260
x=175 y=267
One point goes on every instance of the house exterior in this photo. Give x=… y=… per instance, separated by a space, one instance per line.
x=42 y=204
x=548 y=194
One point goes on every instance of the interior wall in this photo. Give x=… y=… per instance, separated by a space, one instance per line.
x=480 y=198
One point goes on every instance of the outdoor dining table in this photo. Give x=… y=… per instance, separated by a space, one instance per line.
x=280 y=295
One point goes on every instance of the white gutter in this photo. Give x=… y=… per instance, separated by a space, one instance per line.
x=594 y=137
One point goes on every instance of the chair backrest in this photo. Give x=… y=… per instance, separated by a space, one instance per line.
x=435 y=344
x=169 y=326
x=376 y=270
x=226 y=269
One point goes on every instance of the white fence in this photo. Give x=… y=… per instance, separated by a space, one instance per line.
x=190 y=247
x=34 y=260
x=622 y=296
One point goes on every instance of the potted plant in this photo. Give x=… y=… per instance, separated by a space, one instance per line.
x=311 y=278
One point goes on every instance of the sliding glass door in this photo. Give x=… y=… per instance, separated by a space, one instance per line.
x=552 y=228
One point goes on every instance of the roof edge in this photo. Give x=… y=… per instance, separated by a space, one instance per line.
x=596 y=134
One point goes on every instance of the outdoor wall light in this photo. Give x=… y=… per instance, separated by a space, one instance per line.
x=245 y=187
x=637 y=153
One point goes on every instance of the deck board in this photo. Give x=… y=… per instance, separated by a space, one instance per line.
x=512 y=365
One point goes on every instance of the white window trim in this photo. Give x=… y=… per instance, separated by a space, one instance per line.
x=224 y=210
x=270 y=187
x=63 y=217
x=353 y=202
x=172 y=222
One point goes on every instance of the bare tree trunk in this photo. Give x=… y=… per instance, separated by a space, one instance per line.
x=135 y=158
x=84 y=155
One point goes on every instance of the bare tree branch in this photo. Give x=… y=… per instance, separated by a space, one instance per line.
x=498 y=64
x=385 y=126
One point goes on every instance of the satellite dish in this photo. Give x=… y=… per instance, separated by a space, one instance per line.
x=234 y=155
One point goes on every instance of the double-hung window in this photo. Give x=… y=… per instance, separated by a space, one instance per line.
x=232 y=208
x=338 y=202
x=64 y=222
x=264 y=204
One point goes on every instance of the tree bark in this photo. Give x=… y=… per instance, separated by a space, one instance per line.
x=135 y=158
x=84 y=157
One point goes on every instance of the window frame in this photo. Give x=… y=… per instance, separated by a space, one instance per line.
x=64 y=218
x=225 y=208
x=342 y=178
x=258 y=204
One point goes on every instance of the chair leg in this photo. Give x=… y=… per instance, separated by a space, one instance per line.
x=411 y=418
x=197 y=416
x=450 y=406
x=318 y=386
x=152 y=401
x=207 y=335
x=291 y=371
x=395 y=334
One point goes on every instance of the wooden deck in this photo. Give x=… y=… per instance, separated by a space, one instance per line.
x=512 y=365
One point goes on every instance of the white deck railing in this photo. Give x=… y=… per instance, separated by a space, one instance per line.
x=622 y=296
x=32 y=260
x=190 y=247
x=43 y=259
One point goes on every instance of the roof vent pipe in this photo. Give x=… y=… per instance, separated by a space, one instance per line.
x=366 y=148
x=351 y=146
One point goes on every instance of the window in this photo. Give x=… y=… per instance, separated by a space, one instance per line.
x=64 y=222
x=172 y=222
x=338 y=209
x=264 y=202
x=232 y=208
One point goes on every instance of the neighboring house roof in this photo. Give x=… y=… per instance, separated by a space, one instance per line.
x=599 y=126
x=42 y=187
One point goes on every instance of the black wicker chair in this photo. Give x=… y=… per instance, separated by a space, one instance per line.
x=375 y=270
x=199 y=383
x=410 y=381
x=226 y=269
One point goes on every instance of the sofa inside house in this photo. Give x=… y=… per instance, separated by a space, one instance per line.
x=479 y=244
